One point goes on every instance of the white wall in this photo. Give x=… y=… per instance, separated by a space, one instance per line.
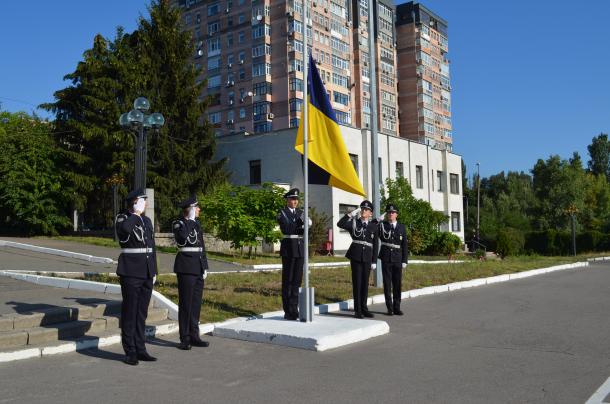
x=281 y=164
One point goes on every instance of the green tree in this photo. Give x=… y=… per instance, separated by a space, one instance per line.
x=242 y=215
x=155 y=62
x=33 y=195
x=422 y=222
x=599 y=152
x=318 y=231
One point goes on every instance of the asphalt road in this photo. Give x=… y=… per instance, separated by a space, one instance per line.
x=536 y=340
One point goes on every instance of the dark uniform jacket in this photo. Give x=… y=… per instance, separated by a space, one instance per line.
x=188 y=233
x=135 y=231
x=359 y=252
x=397 y=237
x=291 y=224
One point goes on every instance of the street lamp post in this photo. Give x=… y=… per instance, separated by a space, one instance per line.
x=478 y=201
x=572 y=210
x=138 y=121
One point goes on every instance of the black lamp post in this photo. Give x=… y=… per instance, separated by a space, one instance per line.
x=139 y=122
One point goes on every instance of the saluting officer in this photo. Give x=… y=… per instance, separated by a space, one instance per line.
x=290 y=219
x=191 y=268
x=137 y=269
x=394 y=254
x=361 y=253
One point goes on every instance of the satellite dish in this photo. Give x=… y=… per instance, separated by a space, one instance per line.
x=249 y=93
x=259 y=17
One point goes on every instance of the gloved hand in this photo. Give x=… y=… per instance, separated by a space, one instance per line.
x=154 y=279
x=354 y=212
x=380 y=218
x=205 y=273
x=373 y=266
x=310 y=222
x=139 y=206
x=404 y=265
x=191 y=215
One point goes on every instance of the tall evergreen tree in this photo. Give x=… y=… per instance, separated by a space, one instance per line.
x=155 y=62
x=599 y=152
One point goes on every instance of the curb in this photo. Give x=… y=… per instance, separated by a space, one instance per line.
x=55 y=251
x=208 y=328
x=274 y=267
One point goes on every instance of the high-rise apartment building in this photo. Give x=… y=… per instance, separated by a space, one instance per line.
x=424 y=95
x=251 y=54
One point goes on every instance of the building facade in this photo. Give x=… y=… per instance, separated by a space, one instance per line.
x=435 y=175
x=251 y=55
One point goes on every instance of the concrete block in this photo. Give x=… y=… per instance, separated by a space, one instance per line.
x=23 y=321
x=56 y=315
x=82 y=312
x=157 y=315
x=112 y=289
x=497 y=278
x=109 y=340
x=330 y=308
x=61 y=348
x=88 y=285
x=6 y=323
x=206 y=328
x=41 y=335
x=377 y=299
x=112 y=322
x=19 y=354
x=406 y=294
x=15 y=338
x=322 y=334
x=163 y=302
x=161 y=329
x=54 y=282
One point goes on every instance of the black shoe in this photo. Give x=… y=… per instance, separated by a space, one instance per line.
x=358 y=315
x=185 y=346
x=145 y=356
x=398 y=312
x=131 y=359
x=289 y=316
x=200 y=343
x=389 y=313
x=367 y=314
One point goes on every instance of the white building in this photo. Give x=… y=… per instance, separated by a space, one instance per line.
x=435 y=175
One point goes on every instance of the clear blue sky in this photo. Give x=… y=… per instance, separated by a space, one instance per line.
x=529 y=78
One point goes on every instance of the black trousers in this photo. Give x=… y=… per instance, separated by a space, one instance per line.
x=292 y=275
x=190 y=292
x=360 y=284
x=134 y=310
x=392 y=284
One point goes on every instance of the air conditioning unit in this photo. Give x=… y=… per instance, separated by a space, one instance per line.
x=290 y=13
x=232 y=83
x=270 y=115
x=315 y=4
x=241 y=100
x=241 y=62
x=211 y=34
x=227 y=11
x=229 y=65
x=326 y=28
x=318 y=62
x=230 y=121
x=325 y=10
x=231 y=102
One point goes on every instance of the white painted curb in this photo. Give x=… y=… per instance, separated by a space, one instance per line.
x=55 y=251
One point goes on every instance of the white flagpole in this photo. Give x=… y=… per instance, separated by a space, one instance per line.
x=306 y=315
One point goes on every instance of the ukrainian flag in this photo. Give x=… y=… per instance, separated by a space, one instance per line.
x=329 y=162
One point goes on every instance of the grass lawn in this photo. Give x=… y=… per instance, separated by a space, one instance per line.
x=247 y=294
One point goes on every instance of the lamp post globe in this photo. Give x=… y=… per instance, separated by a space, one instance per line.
x=157 y=120
x=141 y=104
x=135 y=117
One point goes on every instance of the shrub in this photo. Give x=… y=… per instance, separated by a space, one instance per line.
x=509 y=242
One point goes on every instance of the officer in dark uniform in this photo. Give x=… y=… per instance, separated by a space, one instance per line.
x=191 y=268
x=290 y=219
x=361 y=253
x=137 y=269
x=394 y=254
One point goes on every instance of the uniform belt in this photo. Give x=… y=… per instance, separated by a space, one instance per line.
x=190 y=249
x=292 y=236
x=366 y=243
x=136 y=250
x=390 y=245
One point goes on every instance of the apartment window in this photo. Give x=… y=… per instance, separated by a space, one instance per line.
x=242 y=113
x=296 y=84
x=354 y=159
x=213 y=27
x=213 y=9
x=440 y=182
x=260 y=69
x=262 y=88
x=261 y=30
x=343 y=117
x=214 y=63
x=241 y=18
x=255 y=171
x=341 y=98
x=454 y=183
x=455 y=221
x=294 y=122
x=296 y=104
x=400 y=171
x=419 y=177
x=214 y=117
x=263 y=127
x=241 y=37
x=214 y=81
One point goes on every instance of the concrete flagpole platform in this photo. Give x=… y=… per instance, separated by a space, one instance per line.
x=321 y=334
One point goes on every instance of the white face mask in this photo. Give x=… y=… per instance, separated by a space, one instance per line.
x=139 y=205
x=191 y=215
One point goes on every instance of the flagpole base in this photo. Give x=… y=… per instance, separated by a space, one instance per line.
x=306 y=300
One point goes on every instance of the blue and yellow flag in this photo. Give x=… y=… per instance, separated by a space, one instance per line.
x=329 y=162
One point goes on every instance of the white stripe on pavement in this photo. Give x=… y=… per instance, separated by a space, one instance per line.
x=600 y=394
